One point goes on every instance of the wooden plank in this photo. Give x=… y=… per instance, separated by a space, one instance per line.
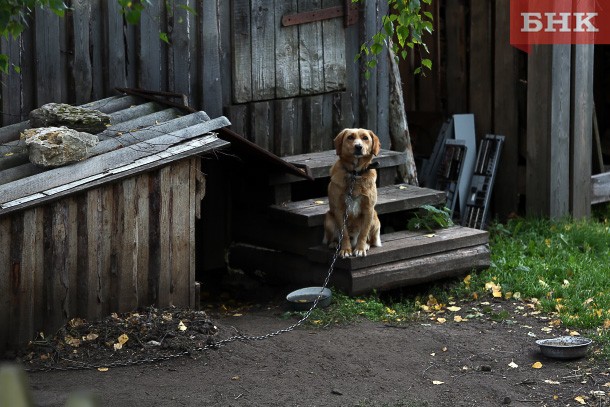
x=239 y=116
x=116 y=55
x=212 y=93
x=196 y=192
x=11 y=90
x=5 y=286
x=506 y=113
x=548 y=131
x=317 y=123
x=98 y=48
x=382 y=103
x=93 y=271
x=154 y=237
x=420 y=270
x=481 y=66
x=56 y=275
x=287 y=79
x=261 y=121
x=142 y=232
x=82 y=69
x=582 y=126
x=333 y=45
x=311 y=51
x=225 y=32
x=117 y=252
x=71 y=254
x=48 y=74
x=390 y=199
x=288 y=138
x=108 y=208
x=181 y=53
x=343 y=114
x=352 y=79
x=457 y=79
x=165 y=237
x=127 y=267
x=28 y=73
x=368 y=87
x=319 y=163
x=242 y=46
x=20 y=282
x=404 y=245
x=149 y=55
x=182 y=219
x=263 y=27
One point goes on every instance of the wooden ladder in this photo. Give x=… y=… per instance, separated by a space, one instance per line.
x=283 y=241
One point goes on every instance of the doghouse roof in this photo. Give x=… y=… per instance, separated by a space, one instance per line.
x=142 y=136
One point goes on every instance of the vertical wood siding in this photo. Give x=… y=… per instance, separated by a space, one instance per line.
x=289 y=89
x=110 y=249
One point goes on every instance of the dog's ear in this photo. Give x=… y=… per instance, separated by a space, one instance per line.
x=339 y=141
x=376 y=143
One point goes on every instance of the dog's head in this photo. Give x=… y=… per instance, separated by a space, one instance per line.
x=356 y=143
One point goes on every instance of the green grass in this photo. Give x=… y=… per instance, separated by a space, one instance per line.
x=563 y=267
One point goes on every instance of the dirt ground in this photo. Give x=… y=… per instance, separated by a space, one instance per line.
x=482 y=361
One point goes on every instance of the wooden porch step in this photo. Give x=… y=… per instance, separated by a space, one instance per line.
x=399 y=246
x=319 y=164
x=392 y=198
x=384 y=273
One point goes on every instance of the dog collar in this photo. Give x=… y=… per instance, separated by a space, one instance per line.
x=363 y=171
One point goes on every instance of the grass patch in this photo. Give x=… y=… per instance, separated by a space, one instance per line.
x=563 y=267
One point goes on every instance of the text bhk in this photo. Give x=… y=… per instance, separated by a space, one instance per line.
x=558 y=22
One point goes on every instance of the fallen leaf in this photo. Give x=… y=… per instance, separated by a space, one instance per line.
x=444 y=349
x=235 y=378
x=497 y=294
x=123 y=339
x=430 y=235
x=181 y=326
x=457 y=318
x=402 y=187
x=551 y=382
x=237 y=315
x=454 y=309
x=437 y=382
x=433 y=354
x=537 y=365
x=441 y=320
x=74 y=342
x=513 y=365
x=319 y=202
x=574 y=333
x=91 y=337
x=117 y=346
x=102 y=369
x=580 y=400
x=606 y=384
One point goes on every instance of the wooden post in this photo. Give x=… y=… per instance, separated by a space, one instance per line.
x=548 y=131
x=481 y=66
x=505 y=112
x=581 y=130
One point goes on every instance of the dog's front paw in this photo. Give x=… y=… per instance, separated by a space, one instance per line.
x=345 y=253
x=361 y=251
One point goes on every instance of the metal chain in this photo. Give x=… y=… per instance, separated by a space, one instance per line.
x=242 y=338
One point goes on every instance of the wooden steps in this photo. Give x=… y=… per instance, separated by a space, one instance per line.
x=392 y=198
x=282 y=241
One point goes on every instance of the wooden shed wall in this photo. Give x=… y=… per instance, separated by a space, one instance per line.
x=541 y=103
x=221 y=57
x=110 y=249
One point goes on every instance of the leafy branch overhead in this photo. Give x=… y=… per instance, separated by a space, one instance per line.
x=407 y=23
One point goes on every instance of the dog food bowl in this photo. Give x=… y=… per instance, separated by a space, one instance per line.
x=303 y=299
x=564 y=347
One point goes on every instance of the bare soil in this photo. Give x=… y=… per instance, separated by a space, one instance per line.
x=486 y=360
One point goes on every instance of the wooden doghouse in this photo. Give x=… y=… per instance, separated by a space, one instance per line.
x=108 y=234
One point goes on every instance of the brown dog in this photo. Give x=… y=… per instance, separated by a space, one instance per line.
x=355 y=148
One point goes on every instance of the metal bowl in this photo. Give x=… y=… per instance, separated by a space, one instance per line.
x=303 y=299
x=564 y=347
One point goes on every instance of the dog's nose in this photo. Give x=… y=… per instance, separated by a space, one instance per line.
x=358 y=148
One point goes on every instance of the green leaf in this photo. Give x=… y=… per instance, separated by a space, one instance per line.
x=376 y=48
x=367 y=74
x=17 y=68
x=163 y=36
x=427 y=63
x=4 y=63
